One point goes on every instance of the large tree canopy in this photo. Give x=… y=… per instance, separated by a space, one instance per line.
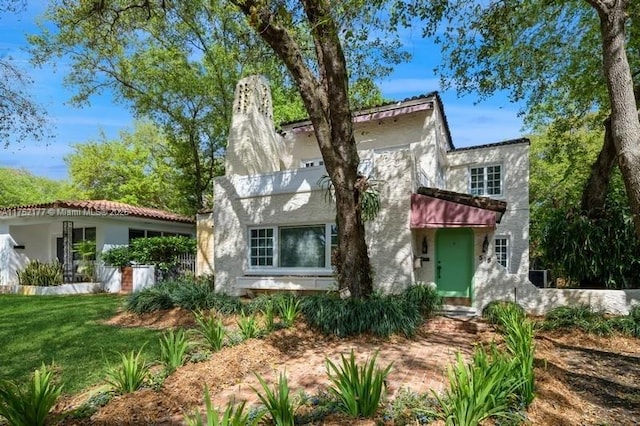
x=19 y=187
x=565 y=60
x=178 y=62
x=134 y=169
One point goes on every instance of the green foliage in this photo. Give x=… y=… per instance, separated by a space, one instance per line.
x=482 y=389
x=584 y=318
x=518 y=337
x=173 y=349
x=41 y=274
x=359 y=388
x=369 y=195
x=579 y=316
x=497 y=311
x=289 y=309
x=410 y=408
x=19 y=188
x=133 y=169
x=379 y=315
x=185 y=292
x=29 y=406
x=277 y=401
x=268 y=316
x=582 y=249
x=211 y=329
x=163 y=252
x=117 y=256
x=425 y=297
x=129 y=375
x=87 y=251
x=232 y=416
x=248 y=326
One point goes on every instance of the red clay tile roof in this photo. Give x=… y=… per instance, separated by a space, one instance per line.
x=107 y=208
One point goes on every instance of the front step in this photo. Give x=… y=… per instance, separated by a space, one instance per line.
x=458 y=311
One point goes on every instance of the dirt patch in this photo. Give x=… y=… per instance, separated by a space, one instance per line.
x=172 y=318
x=580 y=379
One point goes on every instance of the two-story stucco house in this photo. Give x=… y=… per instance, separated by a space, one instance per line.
x=447 y=213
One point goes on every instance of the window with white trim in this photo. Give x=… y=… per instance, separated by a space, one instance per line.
x=314 y=162
x=292 y=248
x=486 y=180
x=501 y=250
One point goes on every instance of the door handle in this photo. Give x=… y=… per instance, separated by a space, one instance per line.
x=439 y=268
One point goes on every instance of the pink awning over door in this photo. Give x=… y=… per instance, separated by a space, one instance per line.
x=430 y=212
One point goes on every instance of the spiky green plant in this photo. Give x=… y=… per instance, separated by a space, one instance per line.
x=518 y=336
x=482 y=389
x=173 y=349
x=289 y=309
x=268 y=316
x=129 y=375
x=359 y=388
x=211 y=329
x=233 y=415
x=277 y=401
x=248 y=326
x=29 y=406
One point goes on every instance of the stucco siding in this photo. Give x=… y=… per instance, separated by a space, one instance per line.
x=514 y=225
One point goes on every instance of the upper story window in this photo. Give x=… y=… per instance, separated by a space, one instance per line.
x=501 y=251
x=303 y=247
x=486 y=180
x=314 y=162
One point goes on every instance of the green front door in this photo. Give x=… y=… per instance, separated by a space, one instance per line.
x=454 y=261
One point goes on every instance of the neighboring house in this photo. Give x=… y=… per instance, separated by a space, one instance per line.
x=273 y=227
x=47 y=232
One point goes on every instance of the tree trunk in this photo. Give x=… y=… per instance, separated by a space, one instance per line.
x=326 y=99
x=595 y=191
x=625 y=125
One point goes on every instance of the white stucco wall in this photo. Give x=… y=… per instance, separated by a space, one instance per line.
x=514 y=159
x=388 y=237
x=492 y=282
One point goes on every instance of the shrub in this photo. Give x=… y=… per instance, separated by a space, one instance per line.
x=232 y=415
x=425 y=297
x=117 y=256
x=173 y=349
x=581 y=317
x=359 y=388
x=151 y=299
x=496 y=309
x=41 y=274
x=482 y=389
x=211 y=330
x=277 y=402
x=379 y=315
x=129 y=375
x=30 y=406
x=185 y=292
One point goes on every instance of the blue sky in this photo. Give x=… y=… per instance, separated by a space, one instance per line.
x=492 y=120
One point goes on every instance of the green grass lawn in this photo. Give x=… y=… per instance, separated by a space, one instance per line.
x=66 y=330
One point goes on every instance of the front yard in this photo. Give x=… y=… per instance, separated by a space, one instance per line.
x=580 y=379
x=67 y=331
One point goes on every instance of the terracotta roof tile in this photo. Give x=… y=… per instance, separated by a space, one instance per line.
x=108 y=208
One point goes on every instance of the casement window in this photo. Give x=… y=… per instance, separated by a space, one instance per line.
x=486 y=180
x=297 y=248
x=80 y=235
x=501 y=250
